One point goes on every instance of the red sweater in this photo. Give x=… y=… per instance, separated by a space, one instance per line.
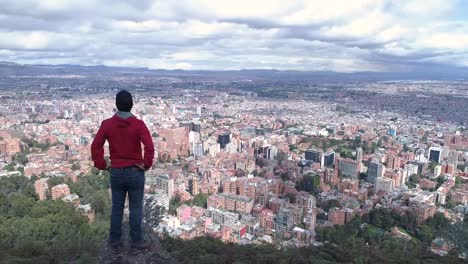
x=125 y=137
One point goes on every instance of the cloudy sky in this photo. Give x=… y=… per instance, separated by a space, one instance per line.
x=338 y=35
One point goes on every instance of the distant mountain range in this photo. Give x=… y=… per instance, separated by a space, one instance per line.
x=423 y=72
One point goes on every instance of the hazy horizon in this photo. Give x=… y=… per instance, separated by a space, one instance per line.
x=365 y=35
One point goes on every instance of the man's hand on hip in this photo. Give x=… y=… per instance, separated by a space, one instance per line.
x=142 y=167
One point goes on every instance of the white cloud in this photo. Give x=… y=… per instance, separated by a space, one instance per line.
x=338 y=35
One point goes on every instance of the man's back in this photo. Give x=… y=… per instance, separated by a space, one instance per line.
x=125 y=135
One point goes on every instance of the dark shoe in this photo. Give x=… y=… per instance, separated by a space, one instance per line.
x=136 y=248
x=116 y=247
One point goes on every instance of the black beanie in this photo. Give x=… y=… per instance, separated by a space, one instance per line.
x=124 y=101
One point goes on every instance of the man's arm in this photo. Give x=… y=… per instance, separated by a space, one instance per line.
x=147 y=141
x=97 y=148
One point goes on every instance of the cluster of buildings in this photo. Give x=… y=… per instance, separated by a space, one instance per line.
x=273 y=169
x=62 y=191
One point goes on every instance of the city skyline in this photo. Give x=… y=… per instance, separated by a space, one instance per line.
x=240 y=131
x=382 y=36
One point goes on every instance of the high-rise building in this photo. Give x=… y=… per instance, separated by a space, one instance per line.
x=196 y=127
x=41 y=188
x=193 y=185
x=435 y=154
x=271 y=152
x=9 y=146
x=284 y=220
x=374 y=171
x=235 y=203
x=313 y=155
x=359 y=159
x=329 y=159
x=336 y=216
x=384 y=185
x=224 y=139
x=175 y=142
x=187 y=125
x=198 y=149
x=164 y=184
x=422 y=209
x=348 y=168
x=420 y=155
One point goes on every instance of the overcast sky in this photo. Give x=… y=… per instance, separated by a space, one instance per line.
x=338 y=35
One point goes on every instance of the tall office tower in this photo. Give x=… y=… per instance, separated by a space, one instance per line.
x=224 y=139
x=347 y=168
x=187 y=124
x=313 y=155
x=383 y=184
x=199 y=110
x=198 y=148
x=359 y=159
x=164 y=184
x=435 y=154
x=193 y=185
x=329 y=159
x=374 y=171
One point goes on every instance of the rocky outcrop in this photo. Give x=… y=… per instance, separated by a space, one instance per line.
x=155 y=254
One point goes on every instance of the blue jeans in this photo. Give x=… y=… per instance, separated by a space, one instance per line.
x=131 y=181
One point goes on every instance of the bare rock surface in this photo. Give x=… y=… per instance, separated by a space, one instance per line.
x=154 y=254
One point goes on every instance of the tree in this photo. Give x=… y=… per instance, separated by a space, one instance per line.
x=100 y=202
x=325 y=145
x=200 y=200
x=174 y=204
x=329 y=204
x=9 y=167
x=21 y=159
x=152 y=213
x=357 y=141
x=457 y=234
x=55 y=181
x=43 y=231
x=440 y=180
x=291 y=197
x=311 y=183
x=451 y=204
x=155 y=135
x=405 y=148
x=458 y=182
x=413 y=180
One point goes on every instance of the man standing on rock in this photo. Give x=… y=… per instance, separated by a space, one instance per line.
x=125 y=134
